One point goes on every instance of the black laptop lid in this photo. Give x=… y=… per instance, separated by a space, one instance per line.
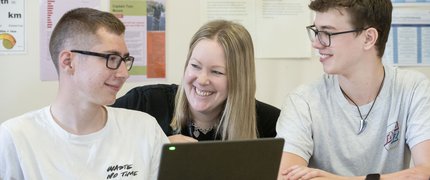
x=247 y=159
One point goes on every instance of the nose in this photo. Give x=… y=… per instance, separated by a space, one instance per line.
x=122 y=71
x=203 y=78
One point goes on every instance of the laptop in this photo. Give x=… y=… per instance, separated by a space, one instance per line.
x=222 y=160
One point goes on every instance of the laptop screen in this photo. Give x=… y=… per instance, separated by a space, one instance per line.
x=245 y=159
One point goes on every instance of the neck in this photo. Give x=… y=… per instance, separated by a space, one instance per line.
x=362 y=87
x=205 y=120
x=79 y=119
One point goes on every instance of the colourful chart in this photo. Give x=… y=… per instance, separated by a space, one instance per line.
x=8 y=40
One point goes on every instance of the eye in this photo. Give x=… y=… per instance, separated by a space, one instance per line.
x=217 y=72
x=195 y=66
x=114 y=57
x=129 y=58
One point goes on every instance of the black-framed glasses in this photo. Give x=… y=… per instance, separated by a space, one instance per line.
x=113 y=61
x=324 y=37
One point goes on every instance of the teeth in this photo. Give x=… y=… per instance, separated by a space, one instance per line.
x=324 y=55
x=202 y=93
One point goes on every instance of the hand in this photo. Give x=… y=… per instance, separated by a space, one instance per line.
x=179 y=138
x=303 y=173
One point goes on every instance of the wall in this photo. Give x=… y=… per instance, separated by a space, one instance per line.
x=21 y=89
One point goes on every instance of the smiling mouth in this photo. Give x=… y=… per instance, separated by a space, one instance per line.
x=324 y=55
x=115 y=87
x=202 y=92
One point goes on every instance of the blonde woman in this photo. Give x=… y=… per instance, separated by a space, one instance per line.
x=216 y=100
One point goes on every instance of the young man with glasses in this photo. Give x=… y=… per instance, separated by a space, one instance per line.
x=78 y=136
x=362 y=120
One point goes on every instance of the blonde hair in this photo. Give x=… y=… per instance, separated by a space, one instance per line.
x=238 y=119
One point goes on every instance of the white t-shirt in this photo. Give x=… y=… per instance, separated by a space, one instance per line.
x=319 y=125
x=34 y=146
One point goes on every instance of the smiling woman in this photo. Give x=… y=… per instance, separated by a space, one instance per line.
x=205 y=83
x=216 y=100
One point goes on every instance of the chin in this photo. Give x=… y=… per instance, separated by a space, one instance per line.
x=200 y=109
x=107 y=102
x=328 y=70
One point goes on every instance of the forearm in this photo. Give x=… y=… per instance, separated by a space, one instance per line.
x=341 y=178
x=421 y=169
x=417 y=172
x=288 y=160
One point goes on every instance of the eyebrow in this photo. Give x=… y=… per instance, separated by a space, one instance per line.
x=117 y=53
x=216 y=66
x=326 y=28
x=219 y=67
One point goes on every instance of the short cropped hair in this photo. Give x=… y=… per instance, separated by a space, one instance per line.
x=78 y=28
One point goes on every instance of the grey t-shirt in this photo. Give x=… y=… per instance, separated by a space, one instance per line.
x=319 y=125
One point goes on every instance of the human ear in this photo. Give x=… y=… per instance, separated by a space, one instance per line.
x=65 y=61
x=371 y=36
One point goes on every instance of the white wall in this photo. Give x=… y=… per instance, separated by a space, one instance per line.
x=21 y=89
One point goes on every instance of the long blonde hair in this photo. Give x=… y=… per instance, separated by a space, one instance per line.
x=238 y=119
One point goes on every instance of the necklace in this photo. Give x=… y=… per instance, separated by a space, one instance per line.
x=363 y=122
x=197 y=130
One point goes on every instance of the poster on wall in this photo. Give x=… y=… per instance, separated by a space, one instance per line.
x=409 y=40
x=272 y=24
x=156 y=39
x=12 y=27
x=144 y=35
x=50 y=12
